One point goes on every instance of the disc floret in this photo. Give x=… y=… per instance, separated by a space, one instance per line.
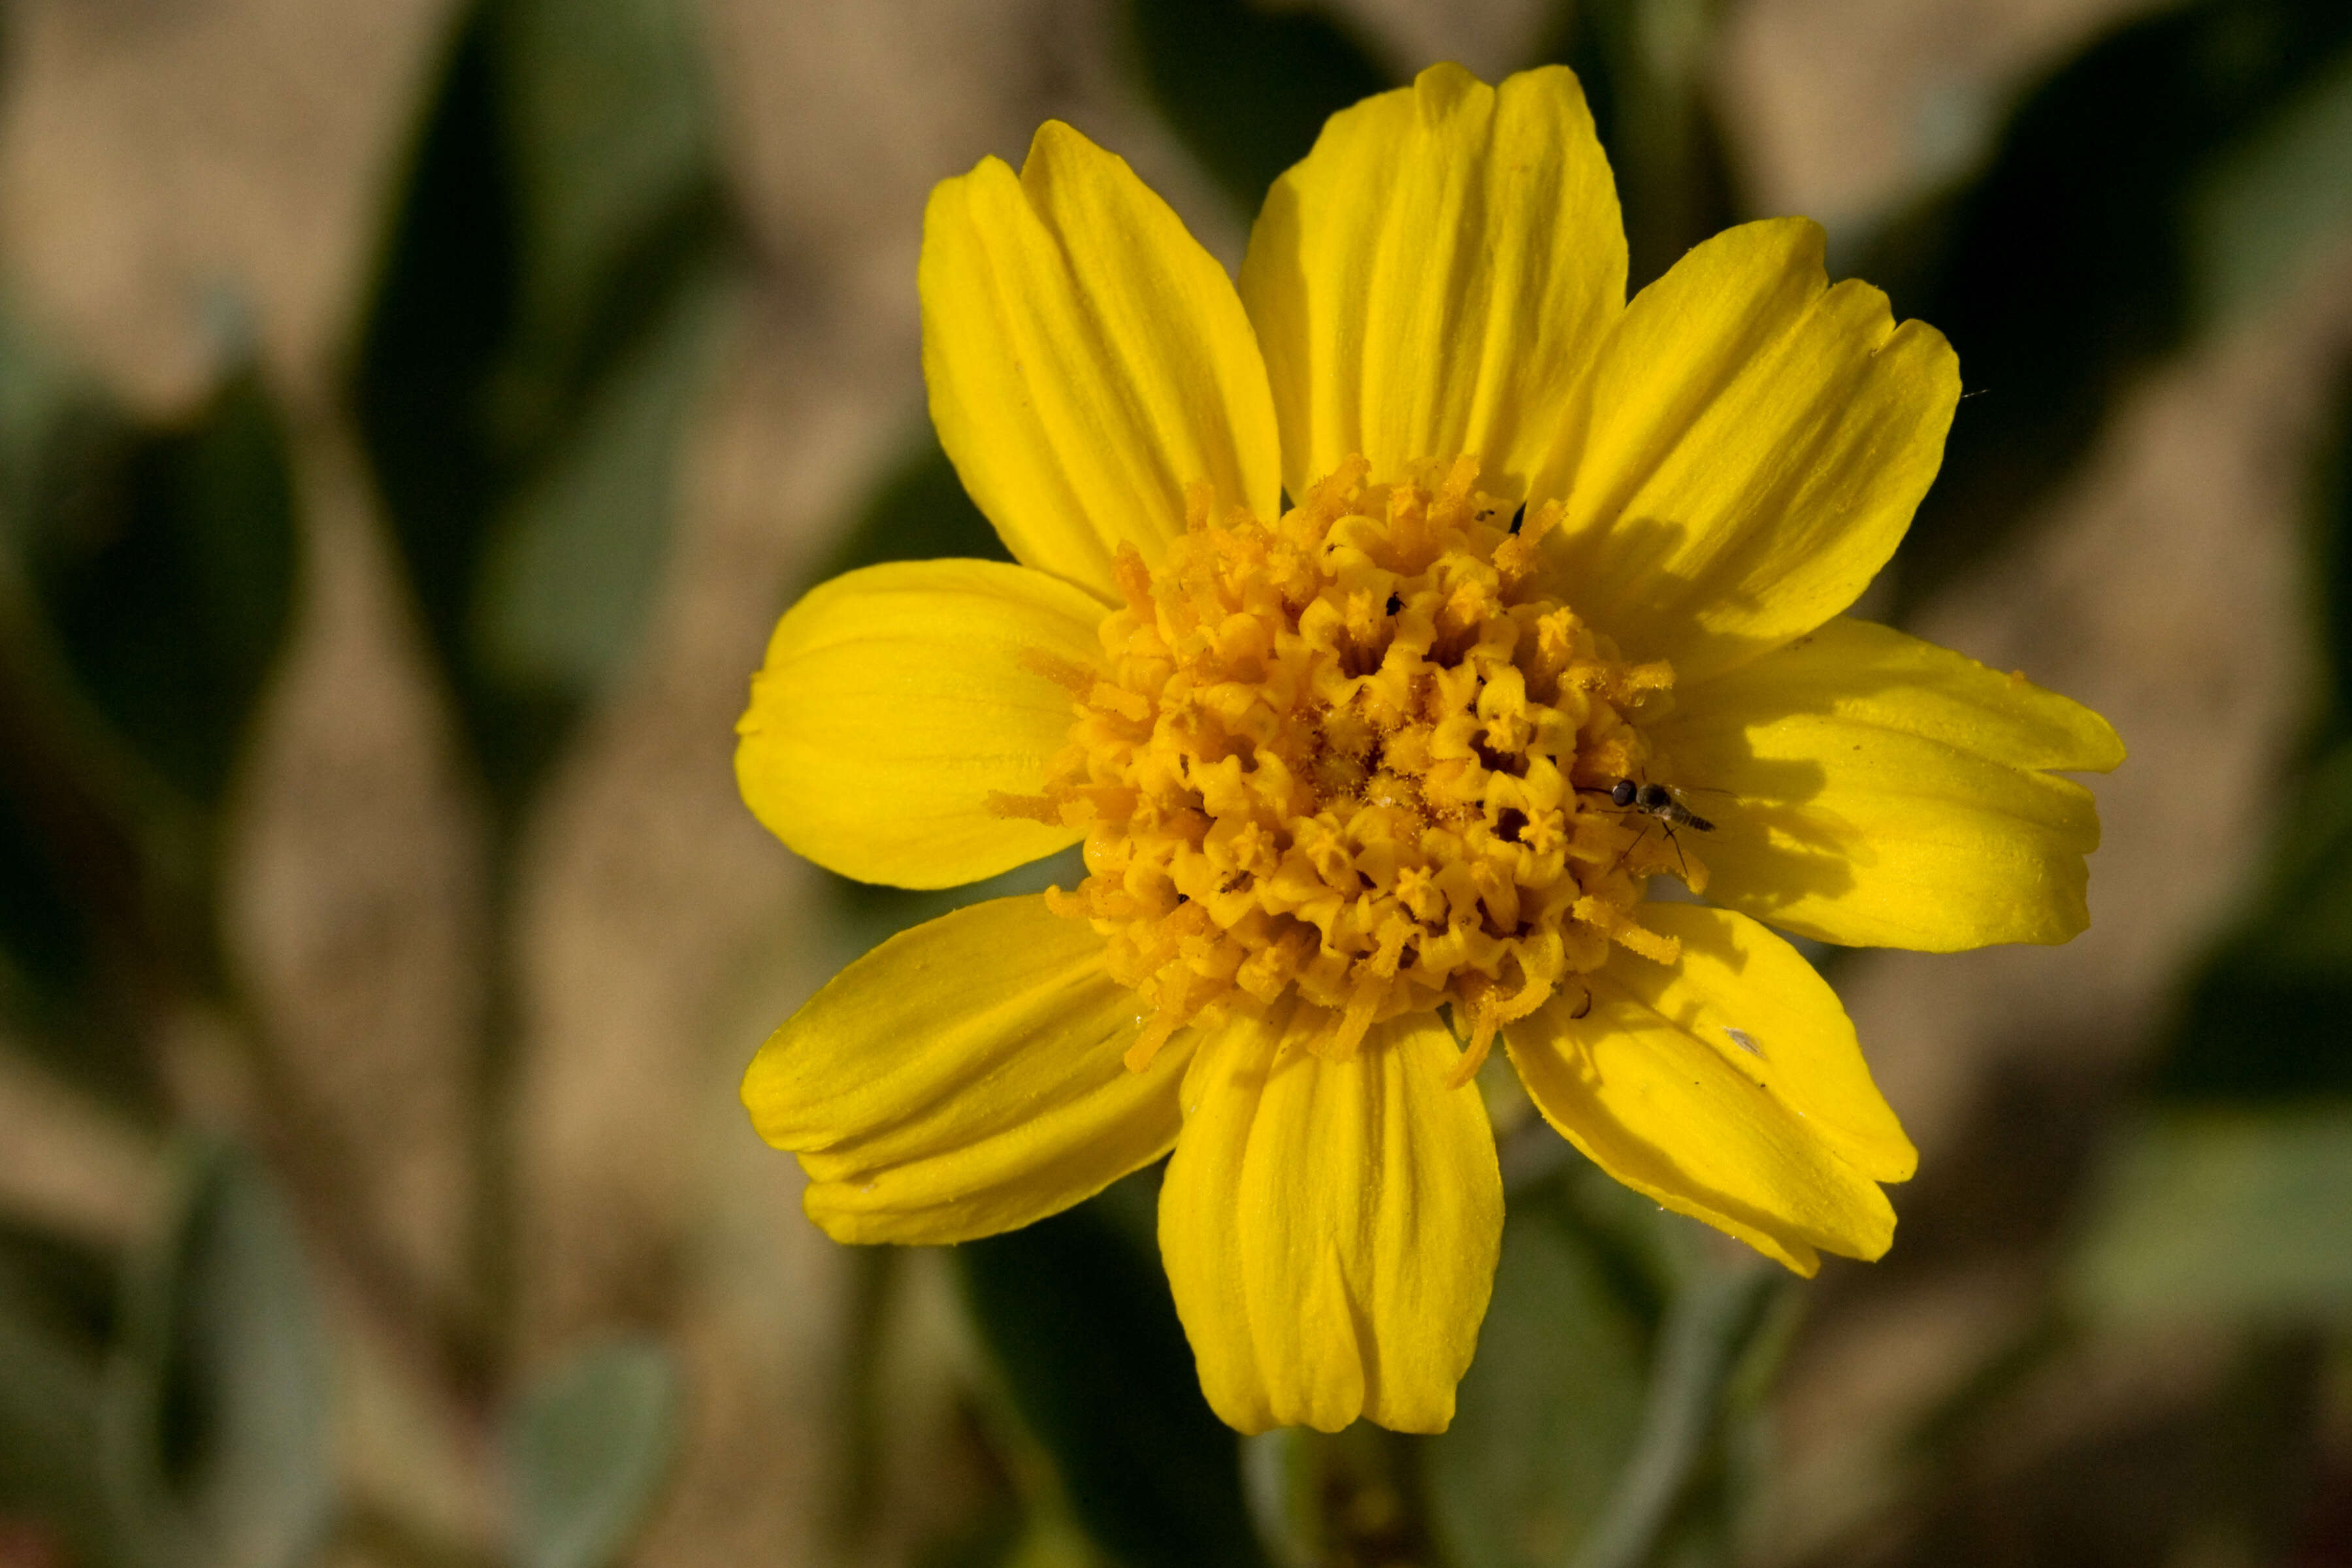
x=1359 y=758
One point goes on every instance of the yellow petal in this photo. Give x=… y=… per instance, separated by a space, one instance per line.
x=1794 y=1037
x=1778 y=1147
x=1748 y=452
x=1879 y=790
x=1434 y=276
x=1331 y=1229
x=895 y=700
x=964 y=1078
x=1087 y=360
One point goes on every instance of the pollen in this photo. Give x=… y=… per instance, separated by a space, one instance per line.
x=1359 y=757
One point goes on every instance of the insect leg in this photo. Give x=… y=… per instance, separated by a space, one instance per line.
x=1627 y=853
x=1681 y=865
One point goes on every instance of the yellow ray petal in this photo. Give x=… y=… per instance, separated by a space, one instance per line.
x=1780 y=1148
x=1086 y=359
x=1792 y=1035
x=1882 y=791
x=1432 y=279
x=1331 y=1229
x=1746 y=453
x=895 y=700
x=964 y=1078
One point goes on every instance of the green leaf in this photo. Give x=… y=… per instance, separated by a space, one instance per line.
x=542 y=328
x=55 y=1313
x=49 y=1430
x=1247 y=87
x=2267 y=203
x=2230 y=1214
x=1049 y=1540
x=575 y=561
x=1356 y=1495
x=146 y=585
x=163 y=564
x=588 y=1448
x=2332 y=560
x=45 y=938
x=216 y=1414
x=2266 y=1018
x=2306 y=928
x=1077 y=1314
x=42 y=394
x=443 y=314
x=1719 y=1328
x=619 y=206
x=2069 y=264
x=608 y=117
x=100 y=900
x=1547 y=1414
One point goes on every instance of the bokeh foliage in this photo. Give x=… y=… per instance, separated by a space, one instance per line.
x=558 y=278
x=549 y=307
x=2116 y=216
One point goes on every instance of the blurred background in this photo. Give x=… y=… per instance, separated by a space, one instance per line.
x=414 y=415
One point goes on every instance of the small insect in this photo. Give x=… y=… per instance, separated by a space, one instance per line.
x=1660 y=803
x=1744 y=1041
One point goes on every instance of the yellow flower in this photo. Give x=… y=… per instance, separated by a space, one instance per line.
x=1368 y=782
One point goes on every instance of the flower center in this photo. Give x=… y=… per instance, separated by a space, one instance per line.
x=1354 y=756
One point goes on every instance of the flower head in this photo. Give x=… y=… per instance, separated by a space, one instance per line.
x=1337 y=759
x=1377 y=778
